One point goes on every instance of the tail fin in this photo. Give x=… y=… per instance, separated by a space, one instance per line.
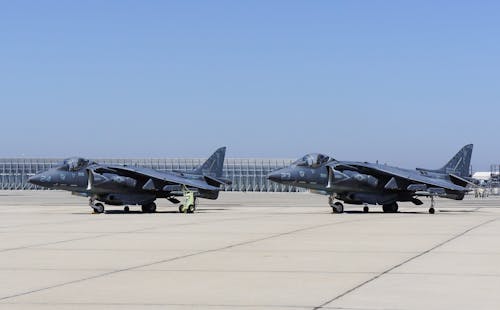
x=213 y=165
x=460 y=163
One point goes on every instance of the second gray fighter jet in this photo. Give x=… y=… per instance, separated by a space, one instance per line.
x=369 y=183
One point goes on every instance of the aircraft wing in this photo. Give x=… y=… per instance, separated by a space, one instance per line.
x=170 y=178
x=398 y=178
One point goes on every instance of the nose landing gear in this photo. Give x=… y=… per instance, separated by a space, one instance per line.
x=337 y=206
x=97 y=207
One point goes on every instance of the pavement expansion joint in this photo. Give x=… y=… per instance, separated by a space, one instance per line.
x=322 y=306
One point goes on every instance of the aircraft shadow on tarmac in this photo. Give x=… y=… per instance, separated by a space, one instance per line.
x=208 y=210
x=410 y=212
x=160 y=212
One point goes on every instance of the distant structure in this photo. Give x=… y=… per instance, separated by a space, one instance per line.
x=247 y=175
x=489 y=180
x=482 y=176
x=494 y=181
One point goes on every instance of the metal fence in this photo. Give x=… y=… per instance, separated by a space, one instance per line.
x=246 y=174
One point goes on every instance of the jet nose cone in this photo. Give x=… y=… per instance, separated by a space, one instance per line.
x=274 y=176
x=36 y=179
x=280 y=175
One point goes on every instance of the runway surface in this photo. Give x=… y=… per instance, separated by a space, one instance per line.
x=247 y=251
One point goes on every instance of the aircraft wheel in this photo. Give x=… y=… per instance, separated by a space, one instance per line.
x=126 y=209
x=153 y=207
x=432 y=211
x=338 y=207
x=390 y=208
x=149 y=208
x=191 y=209
x=182 y=209
x=366 y=209
x=98 y=207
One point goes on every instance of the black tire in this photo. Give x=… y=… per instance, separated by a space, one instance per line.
x=181 y=207
x=98 y=207
x=338 y=207
x=191 y=209
x=126 y=209
x=432 y=210
x=390 y=208
x=152 y=207
x=149 y=208
x=366 y=209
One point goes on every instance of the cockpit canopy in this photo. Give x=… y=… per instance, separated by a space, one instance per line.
x=73 y=164
x=312 y=160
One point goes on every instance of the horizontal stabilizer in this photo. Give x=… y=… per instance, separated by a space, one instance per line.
x=461 y=181
x=213 y=181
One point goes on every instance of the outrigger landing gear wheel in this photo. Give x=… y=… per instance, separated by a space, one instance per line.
x=432 y=210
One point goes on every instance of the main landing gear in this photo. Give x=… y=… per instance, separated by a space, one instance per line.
x=189 y=205
x=390 y=208
x=337 y=206
x=149 y=208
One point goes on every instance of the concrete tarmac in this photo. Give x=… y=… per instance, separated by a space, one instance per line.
x=247 y=251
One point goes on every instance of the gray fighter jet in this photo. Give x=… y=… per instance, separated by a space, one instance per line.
x=364 y=183
x=131 y=185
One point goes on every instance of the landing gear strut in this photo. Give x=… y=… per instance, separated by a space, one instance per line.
x=189 y=205
x=431 y=209
x=337 y=207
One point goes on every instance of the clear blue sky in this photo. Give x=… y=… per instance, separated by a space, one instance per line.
x=404 y=82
